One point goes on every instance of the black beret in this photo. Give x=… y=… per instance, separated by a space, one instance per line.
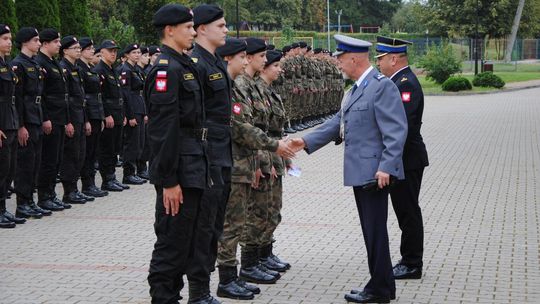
x=286 y=49
x=255 y=45
x=25 y=34
x=131 y=47
x=4 y=29
x=48 y=35
x=232 y=47
x=108 y=44
x=272 y=56
x=154 y=49
x=309 y=48
x=302 y=44
x=86 y=42
x=172 y=14
x=98 y=49
x=206 y=13
x=67 y=42
x=144 y=50
x=270 y=47
x=317 y=50
x=295 y=45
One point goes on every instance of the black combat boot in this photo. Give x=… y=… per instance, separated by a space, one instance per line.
x=264 y=258
x=250 y=270
x=199 y=293
x=277 y=259
x=228 y=286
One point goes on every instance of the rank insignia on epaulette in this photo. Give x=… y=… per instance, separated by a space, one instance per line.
x=30 y=69
x=215 y=76
x=111 y=77
x=195 y=60
x=380 y=76
x=189 y=76
x=237 y=108
x=55 y=70
x=404 y=79
x=163 y=61
x=161 y=81
x=74 y=74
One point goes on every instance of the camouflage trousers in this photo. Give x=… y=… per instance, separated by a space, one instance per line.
x=233 y=227
x=257 y=214
x=274 y=212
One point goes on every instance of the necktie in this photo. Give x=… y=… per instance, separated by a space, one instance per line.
x=345 y=100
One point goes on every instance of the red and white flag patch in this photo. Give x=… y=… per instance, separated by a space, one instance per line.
x=406 y=96
x=161 y=81
x=237 y=108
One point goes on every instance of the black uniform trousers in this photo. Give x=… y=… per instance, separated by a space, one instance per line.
x=142 y=165
x=174 y=247
x=8 y=160
x=74 y=150
x=109 y=146
x=51 y=157
x=210 y=226
x=409 y=215
x=28 y=164
x=88 y=171
x=134 y=138
x=373 y=212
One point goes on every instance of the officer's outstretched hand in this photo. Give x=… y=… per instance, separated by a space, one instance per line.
x=284 y=150
x=172 y=198
x=296 y=144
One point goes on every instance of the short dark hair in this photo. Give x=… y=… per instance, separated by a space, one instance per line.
x=160 y=31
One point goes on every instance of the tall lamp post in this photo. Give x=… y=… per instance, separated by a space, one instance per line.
x=237 y=20
x=328 y=22
x=476 y=41
x=338 y=13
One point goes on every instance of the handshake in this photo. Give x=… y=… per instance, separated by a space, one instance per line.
x=288 y=148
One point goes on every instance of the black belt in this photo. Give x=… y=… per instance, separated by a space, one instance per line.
x=65 y=97
x=117 y=102
x=7 y=99
x=93 y=97
x=201 y=133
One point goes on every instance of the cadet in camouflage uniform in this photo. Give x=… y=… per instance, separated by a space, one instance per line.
x=276 y=122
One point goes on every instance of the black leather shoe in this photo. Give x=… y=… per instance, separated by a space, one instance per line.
x=94 y=191
x=270 y=272
x=273 y=265
x=357 y=291
x=111 y=186
x=404 y=272
x=252 y=288
x=48 y=205
x=133 y=180
x=364 y=297
x=73 y=198
x=119 y=184
x=255 y=275
x=57 y=201
x=208 y=299
x=234 y=291
x=25 y=211
x=280 y=261
x=144 y=175
x=85 y=197
x=290 y=130
x=6 y=223
x=13 y=218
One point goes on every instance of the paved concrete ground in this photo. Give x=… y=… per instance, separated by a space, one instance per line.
x=481 y=208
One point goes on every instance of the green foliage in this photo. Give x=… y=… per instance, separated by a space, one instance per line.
x=456 y=83
x=74 y=18
x=142 y=23
x=38 y=13
x=409 y=18
x=488 y=79
x=114 y=29
x=8 y=15
x=440 y=62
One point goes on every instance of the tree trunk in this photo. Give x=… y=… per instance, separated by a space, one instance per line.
x=513 y=34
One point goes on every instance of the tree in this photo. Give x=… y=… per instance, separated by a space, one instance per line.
x=408 y=18
x=38 y=13
x=144 y=29
x=74 y=18
x=515 y=26
x=8 y=15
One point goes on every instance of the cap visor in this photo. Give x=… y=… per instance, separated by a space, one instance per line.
x=337 y=53
x=381 y=55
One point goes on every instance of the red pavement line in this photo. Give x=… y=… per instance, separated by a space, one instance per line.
x=75 y=267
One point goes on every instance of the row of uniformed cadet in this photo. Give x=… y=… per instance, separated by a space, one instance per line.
x=61 y=116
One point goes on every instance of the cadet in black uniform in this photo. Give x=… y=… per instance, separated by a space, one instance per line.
x=111 y=137
x=94 y=114
x=30 y=135
x=393 y=63
x=74 y=146
x=56 y=122
x=142 y=163
x=211 y=33
x=153 y=51
x=179 y=166
x=132 y=83
x=9 y=123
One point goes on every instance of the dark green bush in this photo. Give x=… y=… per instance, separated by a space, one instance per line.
x=488 y=79
x=440 y=62
x=456 y=83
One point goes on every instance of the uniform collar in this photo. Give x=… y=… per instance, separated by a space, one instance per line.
x=205 y=53
x=364 y=75
x=398 y=71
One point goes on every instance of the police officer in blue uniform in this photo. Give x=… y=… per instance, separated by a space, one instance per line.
x=9 y=123
x=393 y=62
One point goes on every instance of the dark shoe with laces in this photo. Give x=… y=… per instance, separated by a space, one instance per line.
x=270 y=272
x=13 y=218
x=232 y=290
x=85 y=197
x=133 y=180
x=280 y=261
x=94 y=192
x=273 y=265
x=404 y=272
x=111 y=186
x=250 y=287
x=358 y=291
x=48 y=205
x=73 y=198
x=61 y=203
x=119 y=184
x=25 y=211
x=255 y=275
x=5 y=222
x=208 y=299
x=364 y=297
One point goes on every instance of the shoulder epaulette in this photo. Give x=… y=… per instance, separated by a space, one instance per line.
x=163 y=62
x=379 y=76
x=194 y=59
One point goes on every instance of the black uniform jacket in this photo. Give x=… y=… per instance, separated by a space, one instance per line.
x=54 y=101
x=92 y=91
x=175 y=123
x=9 y=119
x=414 y=153
x=217 y=102
x=28 y=90
x=132 y=83
x=75 y=91
x=111 y=93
